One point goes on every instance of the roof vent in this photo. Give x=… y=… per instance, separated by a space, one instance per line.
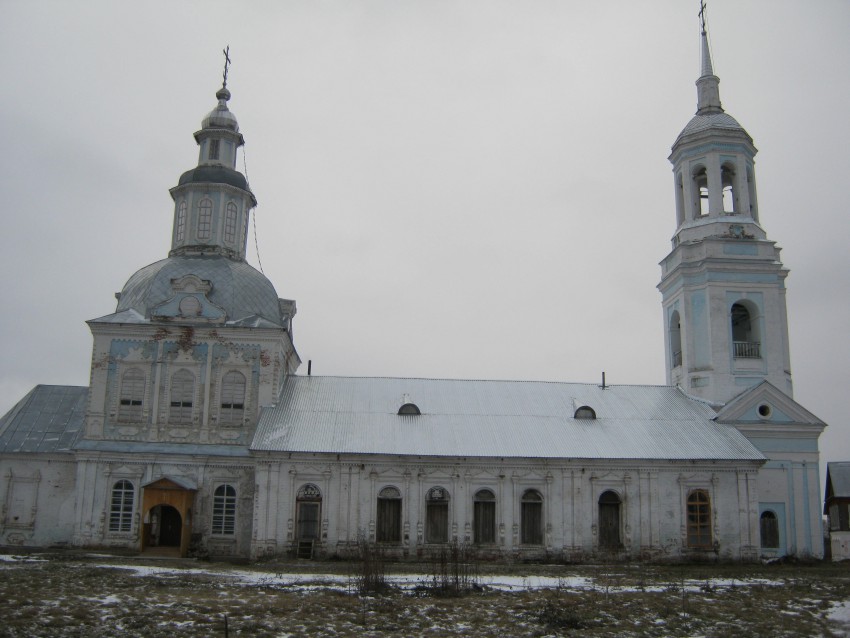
x=409 y=408
x=585 y=412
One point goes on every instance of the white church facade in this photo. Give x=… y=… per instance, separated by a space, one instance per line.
x=196 y=433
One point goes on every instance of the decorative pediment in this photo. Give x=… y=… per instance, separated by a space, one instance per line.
x=190 y=302
x=766 y=404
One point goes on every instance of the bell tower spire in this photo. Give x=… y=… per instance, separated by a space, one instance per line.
x=723 y=283
x=212 y=201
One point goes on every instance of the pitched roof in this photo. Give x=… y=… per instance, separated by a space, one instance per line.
x=838 y=476
x=494 y=419
x=48 y=419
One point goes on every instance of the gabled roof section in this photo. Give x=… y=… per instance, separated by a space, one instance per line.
x=48 y=419
x=172 y=483
x=837 y=481
x=526 y=419
x=782 y=409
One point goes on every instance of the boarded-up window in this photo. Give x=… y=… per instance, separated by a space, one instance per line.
x=182 y=396
x=22 y=504
x=308 y=505
x=224 y=510
x=769 y=527
x=232 y=398
x=484 y=518
x=437 y=515
x=609 y=520
x=121 y=507
x=531 y=515
x=389 y=516
x=699 y=519
x=132 y=395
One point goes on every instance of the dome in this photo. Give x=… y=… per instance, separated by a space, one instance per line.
x=215 y=174
x=711 y=121
x=220 y=116
x=239 y=289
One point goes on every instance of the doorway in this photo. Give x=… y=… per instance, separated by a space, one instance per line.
x=609 y=520
x=166 y=527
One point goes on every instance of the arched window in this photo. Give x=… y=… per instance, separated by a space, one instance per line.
x=769 y=527
x=744 y=333
x=132 y=395
x=182 y=396
x=700 y=191
x=751 y=190
x=699 y=519
x=730 y=192
x=675 y=340
x=230 y=223
x=389 y=516
x=609 y=520
x=232 y=398
x=205 y=219
x=680 y=200
x=121 y=507
x=308 y=503
x=531 y=515
x=181 y=221
x=484 y=518
x=224 y=510
x=437 y=515
x=214 y=146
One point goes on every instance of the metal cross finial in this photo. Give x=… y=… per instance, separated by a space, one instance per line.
x=226 y=64
x=702 y=15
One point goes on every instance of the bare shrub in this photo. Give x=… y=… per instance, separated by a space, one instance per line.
x=370 y=575
x=454 y=570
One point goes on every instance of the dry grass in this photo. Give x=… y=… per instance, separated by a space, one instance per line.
x=74 y=595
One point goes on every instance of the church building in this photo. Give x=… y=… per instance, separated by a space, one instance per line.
x=198 y=435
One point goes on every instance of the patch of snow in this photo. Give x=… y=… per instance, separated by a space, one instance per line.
x=839 y=614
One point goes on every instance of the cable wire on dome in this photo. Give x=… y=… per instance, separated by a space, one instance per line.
x=248 y=182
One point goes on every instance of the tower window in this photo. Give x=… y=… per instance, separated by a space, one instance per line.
x=182 y=394
x=744 y=335
x=121 y=507
x=230 y=223
x=675 y=340
x=204 y=219
x=132 y=395
x=224 y=510
x=727 y=177
x=700 y=190
x=232 y=398
x=214 y=144
x=181 y=221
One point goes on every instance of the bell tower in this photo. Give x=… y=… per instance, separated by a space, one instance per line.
x=723 y=284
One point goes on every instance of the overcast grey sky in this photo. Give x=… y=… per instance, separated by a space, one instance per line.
x=471 y=189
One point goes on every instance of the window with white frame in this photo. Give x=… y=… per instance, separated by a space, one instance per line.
x=181 y=221
x=224 y=510
x=121 y=507
x=389 y=516
x=699 y=519
x=205 y=219
x=230 y=223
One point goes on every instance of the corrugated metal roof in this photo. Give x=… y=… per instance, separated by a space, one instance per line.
x=838 y=474
x=48 y=419
x=494 y=419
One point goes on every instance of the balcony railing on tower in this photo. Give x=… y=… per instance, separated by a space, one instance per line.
x=747 y=349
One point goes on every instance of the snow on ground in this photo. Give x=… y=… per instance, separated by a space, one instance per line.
x=840 y=615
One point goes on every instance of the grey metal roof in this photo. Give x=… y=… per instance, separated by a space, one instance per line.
x=48 y=419
x=216 y=175
x=838 y=475
x=241 y=290
x=494 y=419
